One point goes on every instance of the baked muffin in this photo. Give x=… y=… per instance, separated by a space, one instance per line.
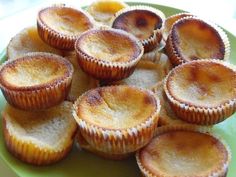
x=146 y=75
x=170 y=21
x=39 y=137
x=27 y=41
x=36 y=80
x=112 y=121
x=104 y=10
x=81 y=82
x=142 y=21
x=184 y=151
x=60 y=26
x=202 y=91
x=192 y=39
x=99 y=56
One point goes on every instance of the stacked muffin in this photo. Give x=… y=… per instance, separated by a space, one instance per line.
x=135 y=88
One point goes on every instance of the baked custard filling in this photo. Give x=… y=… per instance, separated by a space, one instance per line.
x=118 y=107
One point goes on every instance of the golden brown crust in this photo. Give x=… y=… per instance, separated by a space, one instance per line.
x=211 y=155
x=203 y=41
x=60 y=26
x=114 y=61
x=170 y=21
x=117 y=139
x=200 y=95
x=144 y=22
x=28 y=149
x=28 y=88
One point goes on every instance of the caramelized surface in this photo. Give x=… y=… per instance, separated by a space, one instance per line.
x=116 y=107
x=183 y=153
x=65 y=20
x=195 y=39
x=206 y=84
x=109 y=46
x=34 y=71
x=140 y=23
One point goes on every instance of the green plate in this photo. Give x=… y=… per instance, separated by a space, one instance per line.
x=84 y=164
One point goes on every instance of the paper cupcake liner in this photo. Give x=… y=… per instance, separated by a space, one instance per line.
x=202 y=115
x=123 y=141
x=82 y=143
x=220 y=171
x=154 y=40
x=56 y=39
x=31 y=153
x=39 y=98
x=175 y=56
x=105 y=70
x=165 y=31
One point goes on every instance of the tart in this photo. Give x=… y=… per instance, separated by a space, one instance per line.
x=39 y=137
x=202 y=91
x=181 y=151
x=99 y=56
x=81 y=82
x=191 y=39
x=112 y=121
x=27 y=41
x=146 y=75
x=104 y=10
x=142 y=21
x=36 y=80
x=60 y=26
x=170 y=21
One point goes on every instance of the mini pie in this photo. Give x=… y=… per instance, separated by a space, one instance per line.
x=202 y=91
x=103 y=10
x=99 y=56
x=27 y=41
x=81 y=82
x=170 y=21
x=142 y=21
x=184 y=151
x=60 y=26
x=39 y=137
x=112 y=121
x=146 y=75
x=36 y=81
x=191 y=39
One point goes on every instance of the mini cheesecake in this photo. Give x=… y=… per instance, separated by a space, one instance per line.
x=112 y=121
x=191 y=38
x=146 y=75
x=60 y=26
x=104 y=10
x=26 y=41
x=170 y=21
x=39 y=137
x=184 y=151
x=36 y=81
x=142 y=21
x=202 y=91
x=99 y=56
